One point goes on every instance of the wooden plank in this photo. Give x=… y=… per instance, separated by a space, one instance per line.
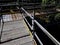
x=12 y=17
x=13 y=29
x=29 y=43
x=22 y=41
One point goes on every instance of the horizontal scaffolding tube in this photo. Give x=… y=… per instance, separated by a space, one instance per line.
x=47 y=33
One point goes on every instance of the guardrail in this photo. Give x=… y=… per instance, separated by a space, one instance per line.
x=40 y=26
x=31 y=27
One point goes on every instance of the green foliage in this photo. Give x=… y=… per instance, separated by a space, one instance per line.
x=57 y=17
x=48 y=1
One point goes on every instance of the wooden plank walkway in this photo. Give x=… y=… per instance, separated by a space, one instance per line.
x=22 y=41
x=15 y=31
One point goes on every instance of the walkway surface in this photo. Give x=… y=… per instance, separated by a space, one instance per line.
x=15 y=31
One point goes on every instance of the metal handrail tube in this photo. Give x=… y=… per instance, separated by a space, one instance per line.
x=32 y=17
x=38 y=39
x=32 y=28
x=42 y=28
x=27 y=13
x=33 y=21
x=34 y=33
x=47 y=33
x=27 y=22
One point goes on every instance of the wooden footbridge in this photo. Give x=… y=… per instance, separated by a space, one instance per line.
x=25 y=22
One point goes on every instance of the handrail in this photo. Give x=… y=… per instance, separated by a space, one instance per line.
x=26 y=12
x=32 y=17
x=27 y=22
x=38 y=39
x=43 y=29
x=31 y=27
x=47 y=33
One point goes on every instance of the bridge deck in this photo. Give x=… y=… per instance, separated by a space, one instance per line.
x=15 y=31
